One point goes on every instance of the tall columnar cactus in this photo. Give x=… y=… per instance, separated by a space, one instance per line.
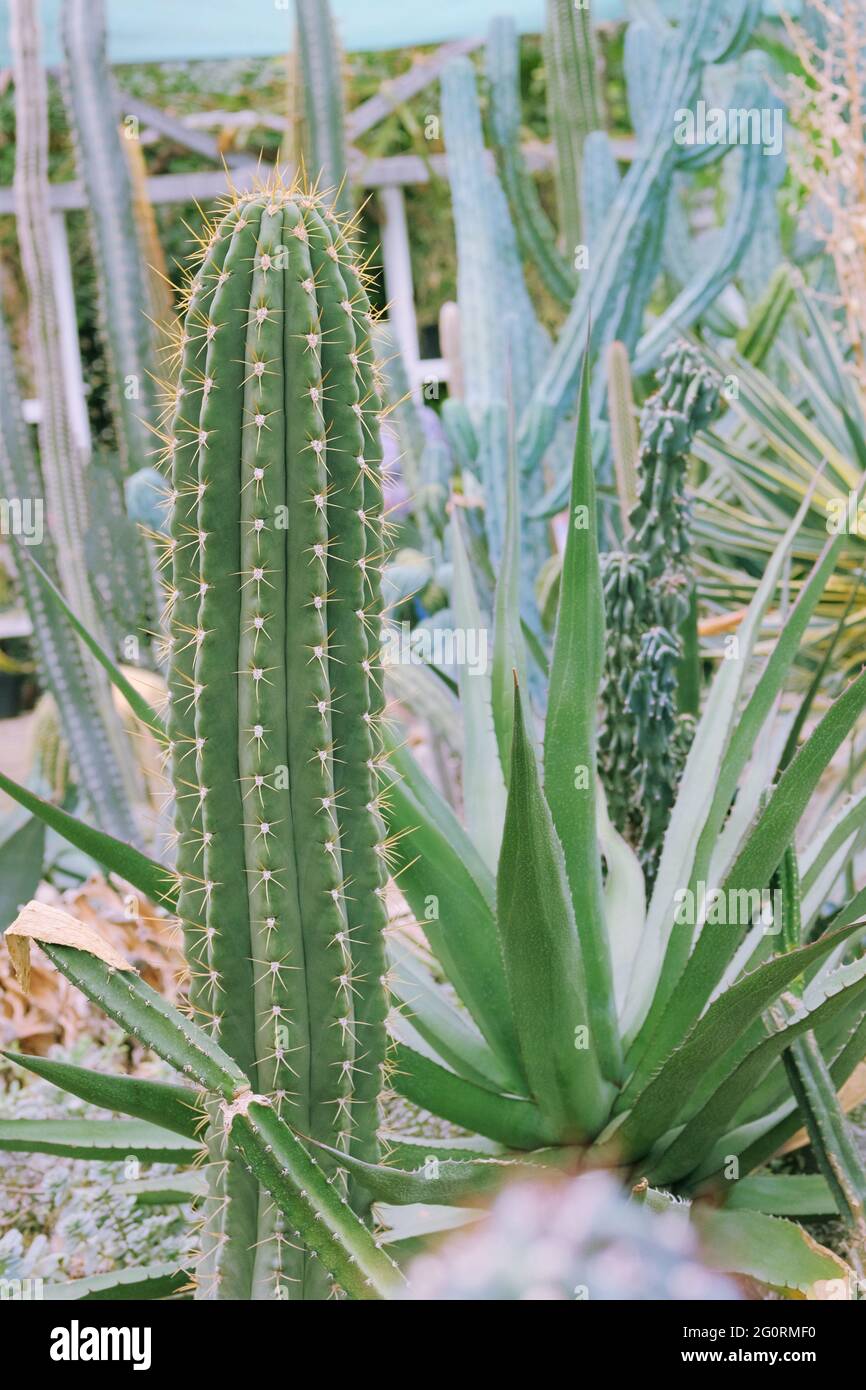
x=574 y=101
x=647 y=587
x=275 y=546
x=62 y=464
x=124 y=303
x=84 y=709
x=324 y=142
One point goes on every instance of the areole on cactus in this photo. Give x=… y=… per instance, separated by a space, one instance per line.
x=273 y=559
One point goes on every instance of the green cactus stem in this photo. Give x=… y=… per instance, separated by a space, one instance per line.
x=324 y=112
x=648 y=591
x=275 y=547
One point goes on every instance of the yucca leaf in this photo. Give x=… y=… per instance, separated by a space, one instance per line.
x=518 y=1124
x=541 y=950
x=153 y=880
x=696 y=1139
x=171 y=1107
x=151 y=1281
x=90 y=1139
x=570 y=742
x=136 y=701
x=788 y=1194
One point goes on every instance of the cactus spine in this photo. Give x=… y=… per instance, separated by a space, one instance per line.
x=275 y=547
x=647 y=588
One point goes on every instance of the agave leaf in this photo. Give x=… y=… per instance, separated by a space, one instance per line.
x=106 y=1139
x=570 y=744
x=695 y=800
x=450 y=890
x=541 y=949
x=159 y=1280
x=696 y=1139
x=829 y=838
x=762 y=852
x=444 y=1182
x=789 y=1194
x=624 y=898
x=766 y=1248
x=717 y=1035
x=518 y=1124
x=448 y=1031
x=156 y=882
x=407 y=1151
x=171 y=1107
x=175 y=1190
x=483 y=783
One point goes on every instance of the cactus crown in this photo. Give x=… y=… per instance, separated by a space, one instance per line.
x=273 y=559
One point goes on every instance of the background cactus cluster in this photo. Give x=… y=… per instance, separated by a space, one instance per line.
x=350 y=1083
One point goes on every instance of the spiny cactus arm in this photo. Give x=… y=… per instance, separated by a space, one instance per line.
x=647 y=49
x=599 y=184
x=734 y=241
x=327 y=158
x=832 y=1139
x=773 y=831
x=153 y=879
x=696 y=1139
x=574 y=102
x=754 y=1148
x=535 y=232
x=655 y=1102
x=570 y=744
x=124 y=307
x=351 y=417
x=176 y=1108
x=61 y=661
x=545 y=966
x=310 y=1201
x=296 y=1182
x=518 y=1124
x=732 y=30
